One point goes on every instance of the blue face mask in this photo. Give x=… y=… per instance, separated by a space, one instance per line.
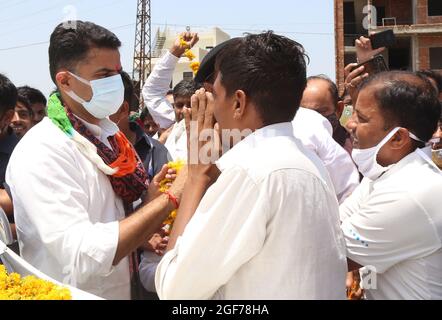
x=107 y=96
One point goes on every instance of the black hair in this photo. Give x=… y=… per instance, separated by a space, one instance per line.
x=169 y=92
x=185 y=88
x=332 y=88
x=71 y=44
x=26 y=103
x=145 y=114
x=270 y=69
x=434 y=75
x=129 y=92
x=8 y=95
x=408 y=100
x=33 y=95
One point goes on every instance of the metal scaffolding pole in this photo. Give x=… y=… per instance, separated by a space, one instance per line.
x=142 y=51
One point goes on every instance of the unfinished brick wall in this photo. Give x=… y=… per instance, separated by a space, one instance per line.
x=425 y=43
x=339 y=43
x=402 y=10
x=422 y=14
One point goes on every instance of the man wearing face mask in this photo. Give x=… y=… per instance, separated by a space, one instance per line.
x=321 y=95
x=392 y=222
x=315 y=132
x=69 y=200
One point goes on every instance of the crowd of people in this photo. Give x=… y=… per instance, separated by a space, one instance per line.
x=324 y=195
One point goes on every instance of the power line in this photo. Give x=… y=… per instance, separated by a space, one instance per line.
x=24 y=46
x=175 y=25
x=33 y=26
x=46 y=42
x=14 y=4
x=30 y=14
x=249 y=30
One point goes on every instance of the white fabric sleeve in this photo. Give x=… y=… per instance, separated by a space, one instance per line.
x=147 y=268
x=227 y=230
x=351 y=204
x=52 y=195
x=388 y=229
x=155 y=90
x=337 y=161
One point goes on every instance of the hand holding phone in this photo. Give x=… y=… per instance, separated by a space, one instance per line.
x=382 y=39
x=375 y=65
x=364 y=49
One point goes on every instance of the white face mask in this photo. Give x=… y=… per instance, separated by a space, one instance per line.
x=107 y=96
x=366 y=161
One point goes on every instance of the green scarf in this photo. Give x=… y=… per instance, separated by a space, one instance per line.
x=57 y=114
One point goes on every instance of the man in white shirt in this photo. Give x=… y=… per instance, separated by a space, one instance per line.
x=71 y=173
x=314 y=131
x=322 y=95
x=267 y=227
x=393 y=222
x=155 y=92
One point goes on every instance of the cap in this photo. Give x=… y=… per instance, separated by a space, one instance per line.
x=207 y=66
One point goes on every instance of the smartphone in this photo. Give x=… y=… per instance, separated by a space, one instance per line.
x=382 y=39
x=374 y=65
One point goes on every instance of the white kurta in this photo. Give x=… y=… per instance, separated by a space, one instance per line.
x=66 y=212
x=393 y=225
x=155 y=89
x=268 y=228
x=315 y=133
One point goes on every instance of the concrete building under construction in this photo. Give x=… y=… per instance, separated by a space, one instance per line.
x=417 y=25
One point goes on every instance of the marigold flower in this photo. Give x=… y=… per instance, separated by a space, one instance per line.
x=189 y=54
x=14 y=287
x=195 y=66
x=184 y=43
x=177 y=166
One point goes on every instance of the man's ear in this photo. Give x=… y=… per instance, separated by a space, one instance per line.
x=339 y=109
x=124 y=109
x=400 y=139
x=62 y=80
x=240 y=104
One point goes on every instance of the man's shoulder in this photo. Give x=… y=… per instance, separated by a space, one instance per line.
x=310 y=121
x=278 y=155
x=43 y=138
x=157 y=145
x=8 y=143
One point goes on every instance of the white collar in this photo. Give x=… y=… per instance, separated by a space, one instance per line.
x=419 y=155
x=105 y=128
x=238 y=154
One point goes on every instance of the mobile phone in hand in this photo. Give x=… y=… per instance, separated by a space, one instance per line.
x=375 y=65
x=382 y=39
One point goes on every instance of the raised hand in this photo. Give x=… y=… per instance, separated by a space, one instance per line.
x=364 y=51
x=186 y=40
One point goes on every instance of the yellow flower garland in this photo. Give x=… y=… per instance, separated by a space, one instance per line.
x=14 y=287
x=177 y=166
x=190 y=55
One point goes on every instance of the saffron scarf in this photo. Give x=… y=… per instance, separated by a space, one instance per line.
x=121 y=163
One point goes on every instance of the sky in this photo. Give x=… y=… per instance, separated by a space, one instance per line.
x=26 y=25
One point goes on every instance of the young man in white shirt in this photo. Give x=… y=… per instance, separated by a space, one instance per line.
x=263 y=222
x=68 y=200
x=393 y=222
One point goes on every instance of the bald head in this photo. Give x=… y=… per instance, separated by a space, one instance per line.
x=321 y=95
